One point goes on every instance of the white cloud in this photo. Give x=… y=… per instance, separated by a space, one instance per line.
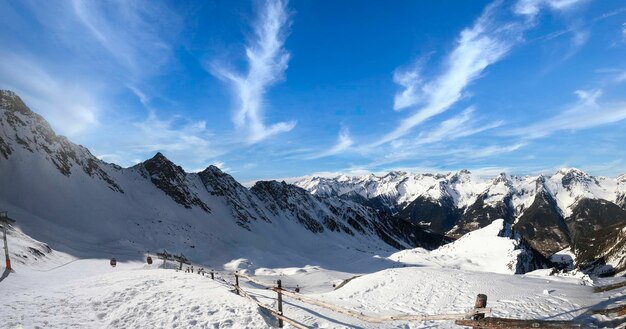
x=344 y=142
x=580 y=38
x=477 y=47
x=484 y=152
x=588 y=112
x=411 y=81
x=462 y=125
x=130 y=31
x=532 y=7
x=180 y=139
x=143 y=98
x=267 y=62
x=71 y=106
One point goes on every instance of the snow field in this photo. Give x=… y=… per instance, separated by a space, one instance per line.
x=91 y=294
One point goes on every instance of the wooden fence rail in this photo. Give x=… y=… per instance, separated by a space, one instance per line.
x=609 y=287
x=474 y=318
x=516 y=323
x=359 y=315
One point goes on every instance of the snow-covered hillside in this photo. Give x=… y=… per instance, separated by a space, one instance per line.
x=61 y=194
x=88 y=293
x=495 y=248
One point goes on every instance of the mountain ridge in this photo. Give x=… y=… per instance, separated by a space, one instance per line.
x=60 y=190
x=542 y=208
x=62 y=186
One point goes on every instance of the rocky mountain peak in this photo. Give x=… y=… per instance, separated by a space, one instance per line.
x=243 y=204
x=395 y=174
x=460 y=176
x=171 y=179
x=23 y=130
x=12 y=102
x=571 y=176
x=276 y=188
x=501 y=178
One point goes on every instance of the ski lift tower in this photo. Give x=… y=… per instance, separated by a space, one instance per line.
x=5 y=221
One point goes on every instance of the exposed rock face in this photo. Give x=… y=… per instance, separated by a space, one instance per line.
x=620 y=191
x=543 y=226
x=437 y=216
x=20 y=127
x=528 y=258
x=495 y=202
x=172 y=180
x=337 y=215
x=597 y=229
x=244 y=205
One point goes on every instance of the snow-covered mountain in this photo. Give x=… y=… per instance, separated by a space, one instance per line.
x=64 y=196
x=546 y=210
x=61 y=194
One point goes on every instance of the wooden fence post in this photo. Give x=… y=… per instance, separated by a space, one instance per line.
x=280 y=302
x=236 y=283
x=212 y=277
x=481 y=302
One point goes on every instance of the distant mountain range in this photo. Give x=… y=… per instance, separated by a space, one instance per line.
x=569 y=209
x=63 y=195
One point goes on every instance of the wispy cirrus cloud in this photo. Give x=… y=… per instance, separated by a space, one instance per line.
x=588 y=112
x=462 y=125
x=344 y=142
x=477 y=47
x=96 y=47
x=533 y=7
x=119 y=27
x=487 y=41
x=175 y=136
x=267 y=61
x=70 y=108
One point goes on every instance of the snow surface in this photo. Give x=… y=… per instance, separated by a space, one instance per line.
x=61 y=291
x=480 y=250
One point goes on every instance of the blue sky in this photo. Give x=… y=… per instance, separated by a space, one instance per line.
x=276 y=89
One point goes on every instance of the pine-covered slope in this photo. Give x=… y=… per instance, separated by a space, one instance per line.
x=62 y=195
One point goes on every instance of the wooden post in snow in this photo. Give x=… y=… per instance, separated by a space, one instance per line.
x=212 y=277
x=237 y=283
x=481 y=302
x=280 y=302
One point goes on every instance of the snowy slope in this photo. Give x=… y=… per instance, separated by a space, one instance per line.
x=495 y=248
x=60 y=194
x=88 y=293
